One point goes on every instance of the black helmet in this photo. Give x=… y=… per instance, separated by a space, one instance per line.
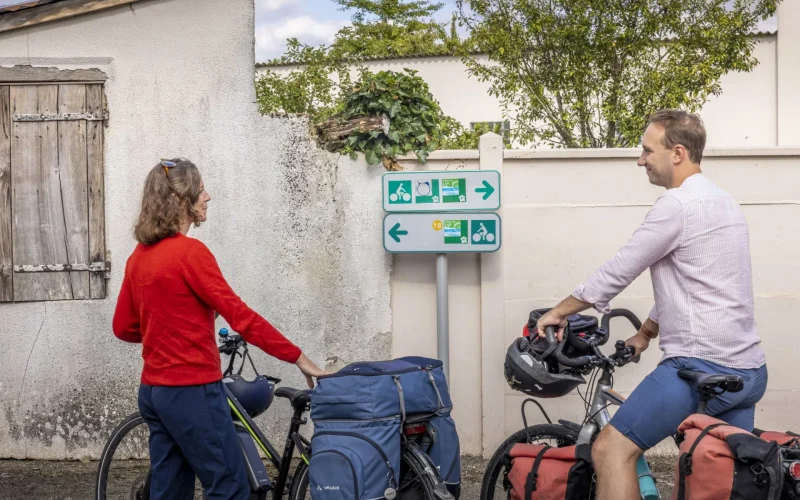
x=255 y=395
x=527 y=371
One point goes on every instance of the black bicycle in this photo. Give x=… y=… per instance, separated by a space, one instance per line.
x=124 y=473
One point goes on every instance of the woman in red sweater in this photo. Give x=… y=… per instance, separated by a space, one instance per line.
x=171 y=290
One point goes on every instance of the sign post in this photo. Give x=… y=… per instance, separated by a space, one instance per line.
x=442 y=212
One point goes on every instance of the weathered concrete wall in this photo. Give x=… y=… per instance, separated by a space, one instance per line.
x=290 y=226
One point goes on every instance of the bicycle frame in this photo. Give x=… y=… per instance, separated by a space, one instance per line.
x=603 y=397
x=293 y=441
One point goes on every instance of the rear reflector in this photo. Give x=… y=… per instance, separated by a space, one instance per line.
x=411 y=430
x=794 y=470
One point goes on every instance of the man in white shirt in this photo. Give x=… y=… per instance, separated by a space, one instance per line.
x=695 y=242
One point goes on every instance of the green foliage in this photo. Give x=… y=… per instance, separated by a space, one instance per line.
x=380 y=28
x=415 y=117
x=391 y=28
x=588 y=73
x=456 y=136
x=317 y=89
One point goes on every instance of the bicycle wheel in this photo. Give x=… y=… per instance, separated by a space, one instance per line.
x=124 y=469
x=415 y=482
x=492 y=486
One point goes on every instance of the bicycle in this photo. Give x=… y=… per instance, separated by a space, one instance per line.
x=418 y=477
x=567 y=433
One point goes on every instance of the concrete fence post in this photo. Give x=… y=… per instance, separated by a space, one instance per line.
x=788 y=67
x=492 y=316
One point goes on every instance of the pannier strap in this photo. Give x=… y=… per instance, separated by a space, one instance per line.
x=685 y=466
x=530 y=482
x=433 y=383
x=402 y=401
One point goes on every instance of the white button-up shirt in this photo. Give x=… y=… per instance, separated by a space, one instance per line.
x=695 y=241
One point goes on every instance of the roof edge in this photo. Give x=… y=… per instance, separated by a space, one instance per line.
x=45 y=13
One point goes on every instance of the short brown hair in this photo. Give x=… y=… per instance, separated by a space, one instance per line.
x=682 y=128
x=170 y=193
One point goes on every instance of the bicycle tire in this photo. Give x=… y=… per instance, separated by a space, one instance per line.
x=299 y=483
x=498 y=462
x=117 y=435
x=300 y=480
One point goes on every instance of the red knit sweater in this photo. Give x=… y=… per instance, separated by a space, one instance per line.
x=167 y=302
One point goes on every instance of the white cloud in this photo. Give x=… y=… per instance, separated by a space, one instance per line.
x=270 y=9
x=271 y=37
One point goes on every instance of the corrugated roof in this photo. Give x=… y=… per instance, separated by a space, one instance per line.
x=443 y=53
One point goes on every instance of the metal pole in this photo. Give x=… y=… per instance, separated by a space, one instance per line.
x=442 y=324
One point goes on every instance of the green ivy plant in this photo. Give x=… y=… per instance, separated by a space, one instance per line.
x=416 y=120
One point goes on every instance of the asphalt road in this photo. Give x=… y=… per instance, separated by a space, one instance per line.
x=43 y=480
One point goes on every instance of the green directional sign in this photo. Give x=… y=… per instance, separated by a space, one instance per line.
x=441 y=190
x=441 y=232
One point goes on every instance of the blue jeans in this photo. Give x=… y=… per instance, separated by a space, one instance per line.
x=192 y=434
x=663 y=400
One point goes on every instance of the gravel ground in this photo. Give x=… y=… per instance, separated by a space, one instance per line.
x=45 y=480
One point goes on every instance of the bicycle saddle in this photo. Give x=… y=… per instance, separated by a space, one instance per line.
x=297 y=397
x=709 y=382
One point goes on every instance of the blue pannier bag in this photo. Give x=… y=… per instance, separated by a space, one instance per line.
x=358 y=415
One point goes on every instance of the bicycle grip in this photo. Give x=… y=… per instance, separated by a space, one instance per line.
x=550 y=334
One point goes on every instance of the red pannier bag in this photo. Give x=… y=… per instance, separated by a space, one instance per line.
x=718 y=461
x=539 y=472
x=790 y=452
x=782 y=438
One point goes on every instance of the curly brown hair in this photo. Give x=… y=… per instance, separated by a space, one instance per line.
x=170 y=194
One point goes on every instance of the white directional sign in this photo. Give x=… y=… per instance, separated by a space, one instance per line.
x=438 y=191
x=441 y=233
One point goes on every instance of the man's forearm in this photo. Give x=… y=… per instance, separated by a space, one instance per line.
x=570 y=306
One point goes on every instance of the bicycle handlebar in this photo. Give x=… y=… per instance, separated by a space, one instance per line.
x=615 y=313
x=623 y=355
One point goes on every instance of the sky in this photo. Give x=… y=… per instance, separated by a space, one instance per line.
x=313 y=22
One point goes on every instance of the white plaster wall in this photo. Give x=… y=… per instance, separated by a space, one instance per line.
x=291 y=227
x=745 y=115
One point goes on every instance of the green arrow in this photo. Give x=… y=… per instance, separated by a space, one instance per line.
x=487 y=190
x=395 y=232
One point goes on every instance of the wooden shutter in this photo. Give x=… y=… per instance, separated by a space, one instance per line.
x=57 y=217
x=6 y=264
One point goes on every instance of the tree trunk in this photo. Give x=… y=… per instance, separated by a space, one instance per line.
x=336 y=131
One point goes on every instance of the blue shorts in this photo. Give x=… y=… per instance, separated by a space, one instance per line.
x=662 y=401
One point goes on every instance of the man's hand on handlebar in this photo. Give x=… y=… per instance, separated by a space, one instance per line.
x=558 y=315
x=638 y=342
x=551 y=318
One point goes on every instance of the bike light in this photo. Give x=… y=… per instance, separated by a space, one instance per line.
x=794 y=470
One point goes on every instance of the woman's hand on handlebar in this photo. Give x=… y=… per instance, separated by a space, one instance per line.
x=310 y=370
x=551 y=318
